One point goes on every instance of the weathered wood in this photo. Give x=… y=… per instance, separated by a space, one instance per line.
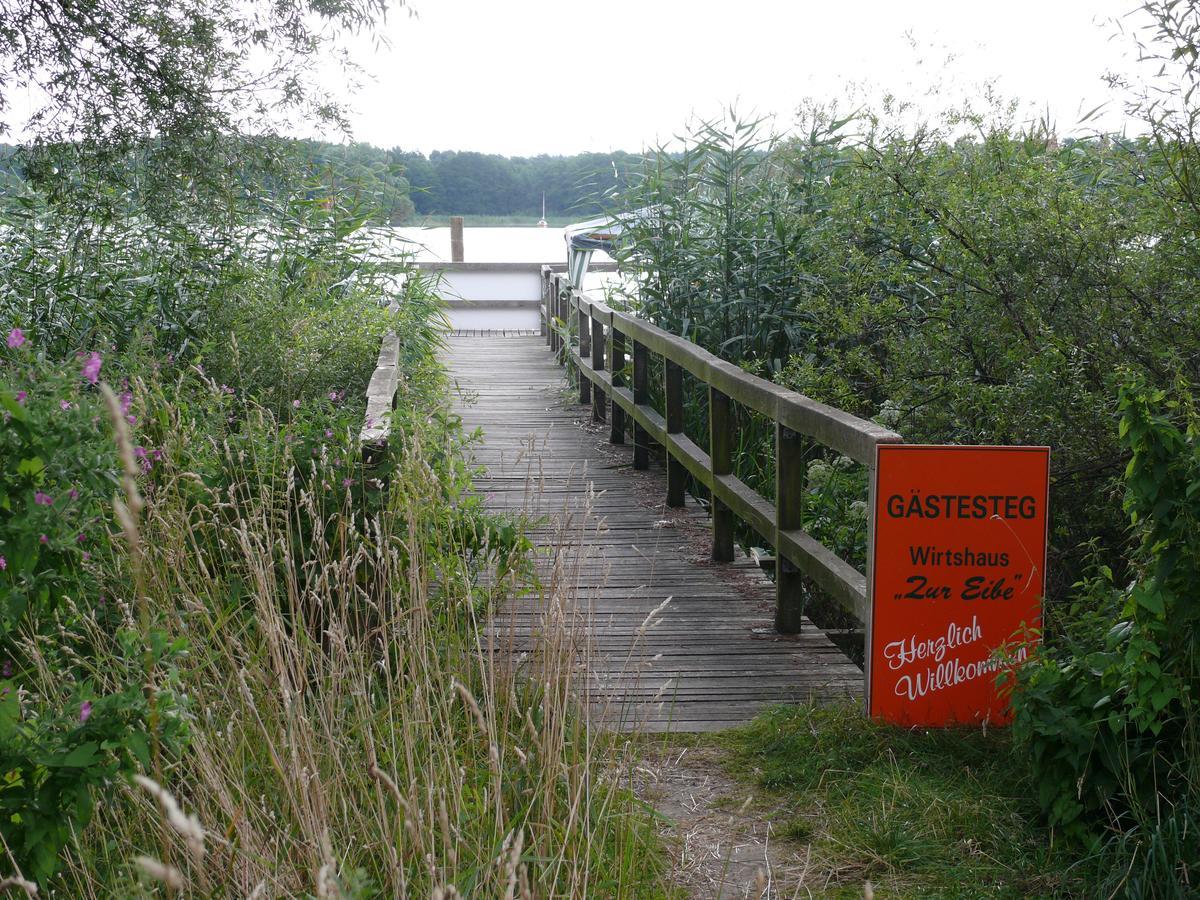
x=790 y=483
x=456 y=239
x=597 y=366
x=583 y=328
x=641 y=397
x=720 y=452
x=617 y=553
x=616 y=365
x=799 y=556
x=841 y=431
x=673 y=392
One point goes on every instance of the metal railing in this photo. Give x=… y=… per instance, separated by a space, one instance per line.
x=598 y=342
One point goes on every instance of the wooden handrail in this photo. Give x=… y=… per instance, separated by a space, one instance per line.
x=381 y=395
x=600 y=358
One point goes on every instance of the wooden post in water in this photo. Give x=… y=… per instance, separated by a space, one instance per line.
x=641 y=396
x=791 y=470
x=456 y=238
x=720 y=451
x=676 y=473
x=616 y=362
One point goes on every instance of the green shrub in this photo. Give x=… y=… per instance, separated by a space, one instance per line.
x=67 y=609
x=1110 y=721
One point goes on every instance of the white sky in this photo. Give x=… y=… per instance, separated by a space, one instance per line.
x=559 y=76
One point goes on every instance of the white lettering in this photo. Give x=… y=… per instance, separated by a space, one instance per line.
x=911 y=649
x=948 y=674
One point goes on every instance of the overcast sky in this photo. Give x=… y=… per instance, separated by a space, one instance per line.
x=556 y=76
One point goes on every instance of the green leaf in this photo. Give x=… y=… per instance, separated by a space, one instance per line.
x=138 y=745
x=15 y=409
x=82 y=756
x=1150 y=600
x=33 y=467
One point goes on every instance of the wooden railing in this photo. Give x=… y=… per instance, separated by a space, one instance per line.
x=381 y=396
x=597 y=342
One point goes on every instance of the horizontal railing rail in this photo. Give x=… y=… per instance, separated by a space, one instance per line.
x=598 y=343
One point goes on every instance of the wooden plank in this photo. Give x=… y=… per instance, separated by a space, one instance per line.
x=616 y=552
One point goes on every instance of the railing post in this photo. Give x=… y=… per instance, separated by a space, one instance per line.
x=551 y=312
x=790 y=476
x=720 y=451
x=616 y=363
x=641 y=396
x=564 y=304
x=676 y=473
x=584 y=327
x=597 y=365
x=545 y=310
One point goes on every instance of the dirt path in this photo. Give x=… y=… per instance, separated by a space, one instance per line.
x=722 y=834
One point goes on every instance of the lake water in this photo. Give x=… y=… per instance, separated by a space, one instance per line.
x=540 y=245
x=487 y=244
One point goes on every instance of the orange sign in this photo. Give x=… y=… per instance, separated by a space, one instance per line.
x=958 y=571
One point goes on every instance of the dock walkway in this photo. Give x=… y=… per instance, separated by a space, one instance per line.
x=707 y=659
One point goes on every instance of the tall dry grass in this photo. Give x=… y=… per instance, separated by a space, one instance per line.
x=357 y=728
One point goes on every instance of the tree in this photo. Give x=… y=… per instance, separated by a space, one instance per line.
x=167 y=78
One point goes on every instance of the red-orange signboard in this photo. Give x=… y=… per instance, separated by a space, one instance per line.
x=958 y=570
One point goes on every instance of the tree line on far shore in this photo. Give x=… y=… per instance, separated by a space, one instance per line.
x=399 y=185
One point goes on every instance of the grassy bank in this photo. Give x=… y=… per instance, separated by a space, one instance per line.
x=921 y=813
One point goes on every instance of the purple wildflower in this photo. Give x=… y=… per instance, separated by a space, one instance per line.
x=91 y=368
x=295 y=404
x=64 y=404
x=85 y=710
x=44 y=539
x=21 y=395
x=16 y=338
x=7 y=670
x=42 y=499
x=139 y=452
x=86 y=557
x=81 y=538
x=328 y=433
x=3 y=563
x=126 y=402
x=347 y=482
x=73 y=494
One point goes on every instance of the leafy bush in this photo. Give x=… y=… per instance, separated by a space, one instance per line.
x=86 y=693
x=1110 y=722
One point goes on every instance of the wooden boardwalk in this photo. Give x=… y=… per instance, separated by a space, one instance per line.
x=707 y=659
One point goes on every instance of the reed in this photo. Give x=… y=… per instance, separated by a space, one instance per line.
x=356 y=725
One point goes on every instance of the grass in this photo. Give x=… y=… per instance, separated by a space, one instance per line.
x=916 y=813
x=354 y=729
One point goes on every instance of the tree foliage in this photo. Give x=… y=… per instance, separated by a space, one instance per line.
x=156 y=92
x=468 y=183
